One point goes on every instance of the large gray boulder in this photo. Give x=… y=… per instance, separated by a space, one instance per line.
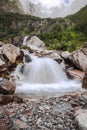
x=11 y=54
x=79 y=59
x=35 y=44
x=53 y=54
x=81 y=119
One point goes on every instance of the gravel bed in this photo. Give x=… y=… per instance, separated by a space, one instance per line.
x=56 y=113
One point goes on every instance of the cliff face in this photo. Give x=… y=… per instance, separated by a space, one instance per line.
x=19 y=24
x=9 y=6
x=19 y=6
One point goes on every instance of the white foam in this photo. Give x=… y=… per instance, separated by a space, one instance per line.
x=62 y=87
x=42 y=71
x=44 y=76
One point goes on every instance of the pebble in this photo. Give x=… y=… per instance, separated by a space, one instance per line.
x=45 y=114
x=23 y=118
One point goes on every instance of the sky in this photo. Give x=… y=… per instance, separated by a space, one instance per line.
x=52 y=3
x=53 y=8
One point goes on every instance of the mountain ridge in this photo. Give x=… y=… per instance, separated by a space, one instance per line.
x=57 y=33
x=80 y=19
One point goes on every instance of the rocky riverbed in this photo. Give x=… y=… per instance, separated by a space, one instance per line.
x=56 y=113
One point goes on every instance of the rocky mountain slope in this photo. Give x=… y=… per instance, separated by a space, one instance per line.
x=9 y=6
x=80 y=19
x=18 y=6
x=58 y=33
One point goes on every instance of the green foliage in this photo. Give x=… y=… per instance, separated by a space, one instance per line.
x=80 y=19
x=68 y=33
x=24 y=47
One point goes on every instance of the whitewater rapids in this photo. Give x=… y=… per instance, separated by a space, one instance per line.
x=43 y=76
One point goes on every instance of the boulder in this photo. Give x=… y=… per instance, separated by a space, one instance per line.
x=81 y=119
x=75 y=74
x=53 y=54
x=3 y=69
x=79 y=59
x=65 y=54
x=6 y=87
x=11 y=54
x=27 y=58
x=5 y=99
x=17 y=41
x=35 y=44
x=2 y=63
x=84 y=83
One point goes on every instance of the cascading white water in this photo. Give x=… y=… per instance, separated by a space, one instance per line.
x=43 y=76
x=42 y=71
x=25 y=40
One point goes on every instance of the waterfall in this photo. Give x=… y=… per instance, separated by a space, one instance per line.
x=43 y=76
x=25 y=40
x=42 y=71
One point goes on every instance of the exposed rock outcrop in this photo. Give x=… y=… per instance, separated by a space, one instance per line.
x=84 y=84
x=11 y=54
x=79 y=59
x=9 y=6
x=35 y=43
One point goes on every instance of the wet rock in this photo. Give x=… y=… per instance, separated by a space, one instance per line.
x=84 y=83
x=81 y=119
x=55 y=55
x=19 y=58
x=79 y=59
x=75 y=74
x=5 y=99
x=65 y=54
x=6 y=87
x=27 y=58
